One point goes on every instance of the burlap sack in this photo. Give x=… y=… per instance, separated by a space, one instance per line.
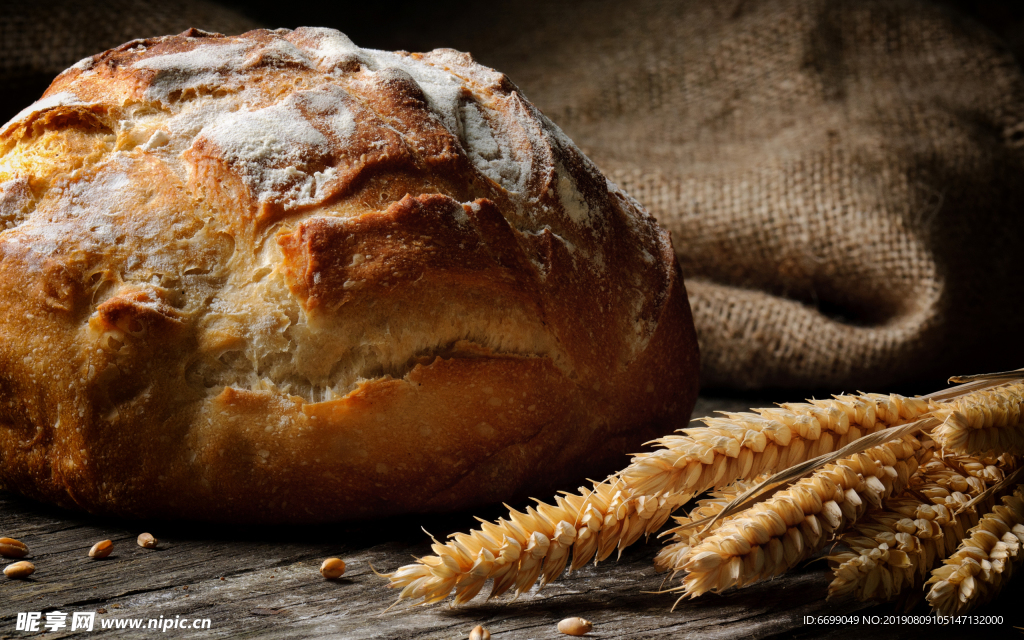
x=842 y=178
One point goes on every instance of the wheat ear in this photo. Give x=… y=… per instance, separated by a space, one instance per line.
x=516 y=551
x=741 y=446
x=774 y=535
x=983 y=422
x=977 y=570
x=893 y=548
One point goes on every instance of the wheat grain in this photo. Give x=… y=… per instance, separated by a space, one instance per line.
x=741 y=446
x=479 y=633
x=977 y=570
x=332 y=568
x=772 y=536
x=19 y=570
x=983 y=422
x=11 y=548
x=575 y=627
x=893 y=548
x=101 y=549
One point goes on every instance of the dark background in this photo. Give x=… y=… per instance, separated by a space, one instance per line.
x=411 y=25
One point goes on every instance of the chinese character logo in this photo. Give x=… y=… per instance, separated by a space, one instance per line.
x=55 y=621
x=28 y=621
x=83 y=620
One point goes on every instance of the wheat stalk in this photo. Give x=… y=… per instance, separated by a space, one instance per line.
x=516 y=551
x=977 y=570
x=770 y=537
x=893 y=548
x=741 y=446
x=999 y=376
x=983 y=422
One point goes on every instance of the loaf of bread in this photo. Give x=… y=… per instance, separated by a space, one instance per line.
x=279 y=278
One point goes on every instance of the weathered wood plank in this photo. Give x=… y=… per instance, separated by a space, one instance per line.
x=271 y=587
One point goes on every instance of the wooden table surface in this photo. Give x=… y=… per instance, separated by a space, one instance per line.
x=264 y=582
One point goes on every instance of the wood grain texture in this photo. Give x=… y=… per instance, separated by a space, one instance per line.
x=264 y=582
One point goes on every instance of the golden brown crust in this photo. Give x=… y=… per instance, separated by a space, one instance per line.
x=276 y=277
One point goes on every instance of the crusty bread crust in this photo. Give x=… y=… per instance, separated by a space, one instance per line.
x=279 y=278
